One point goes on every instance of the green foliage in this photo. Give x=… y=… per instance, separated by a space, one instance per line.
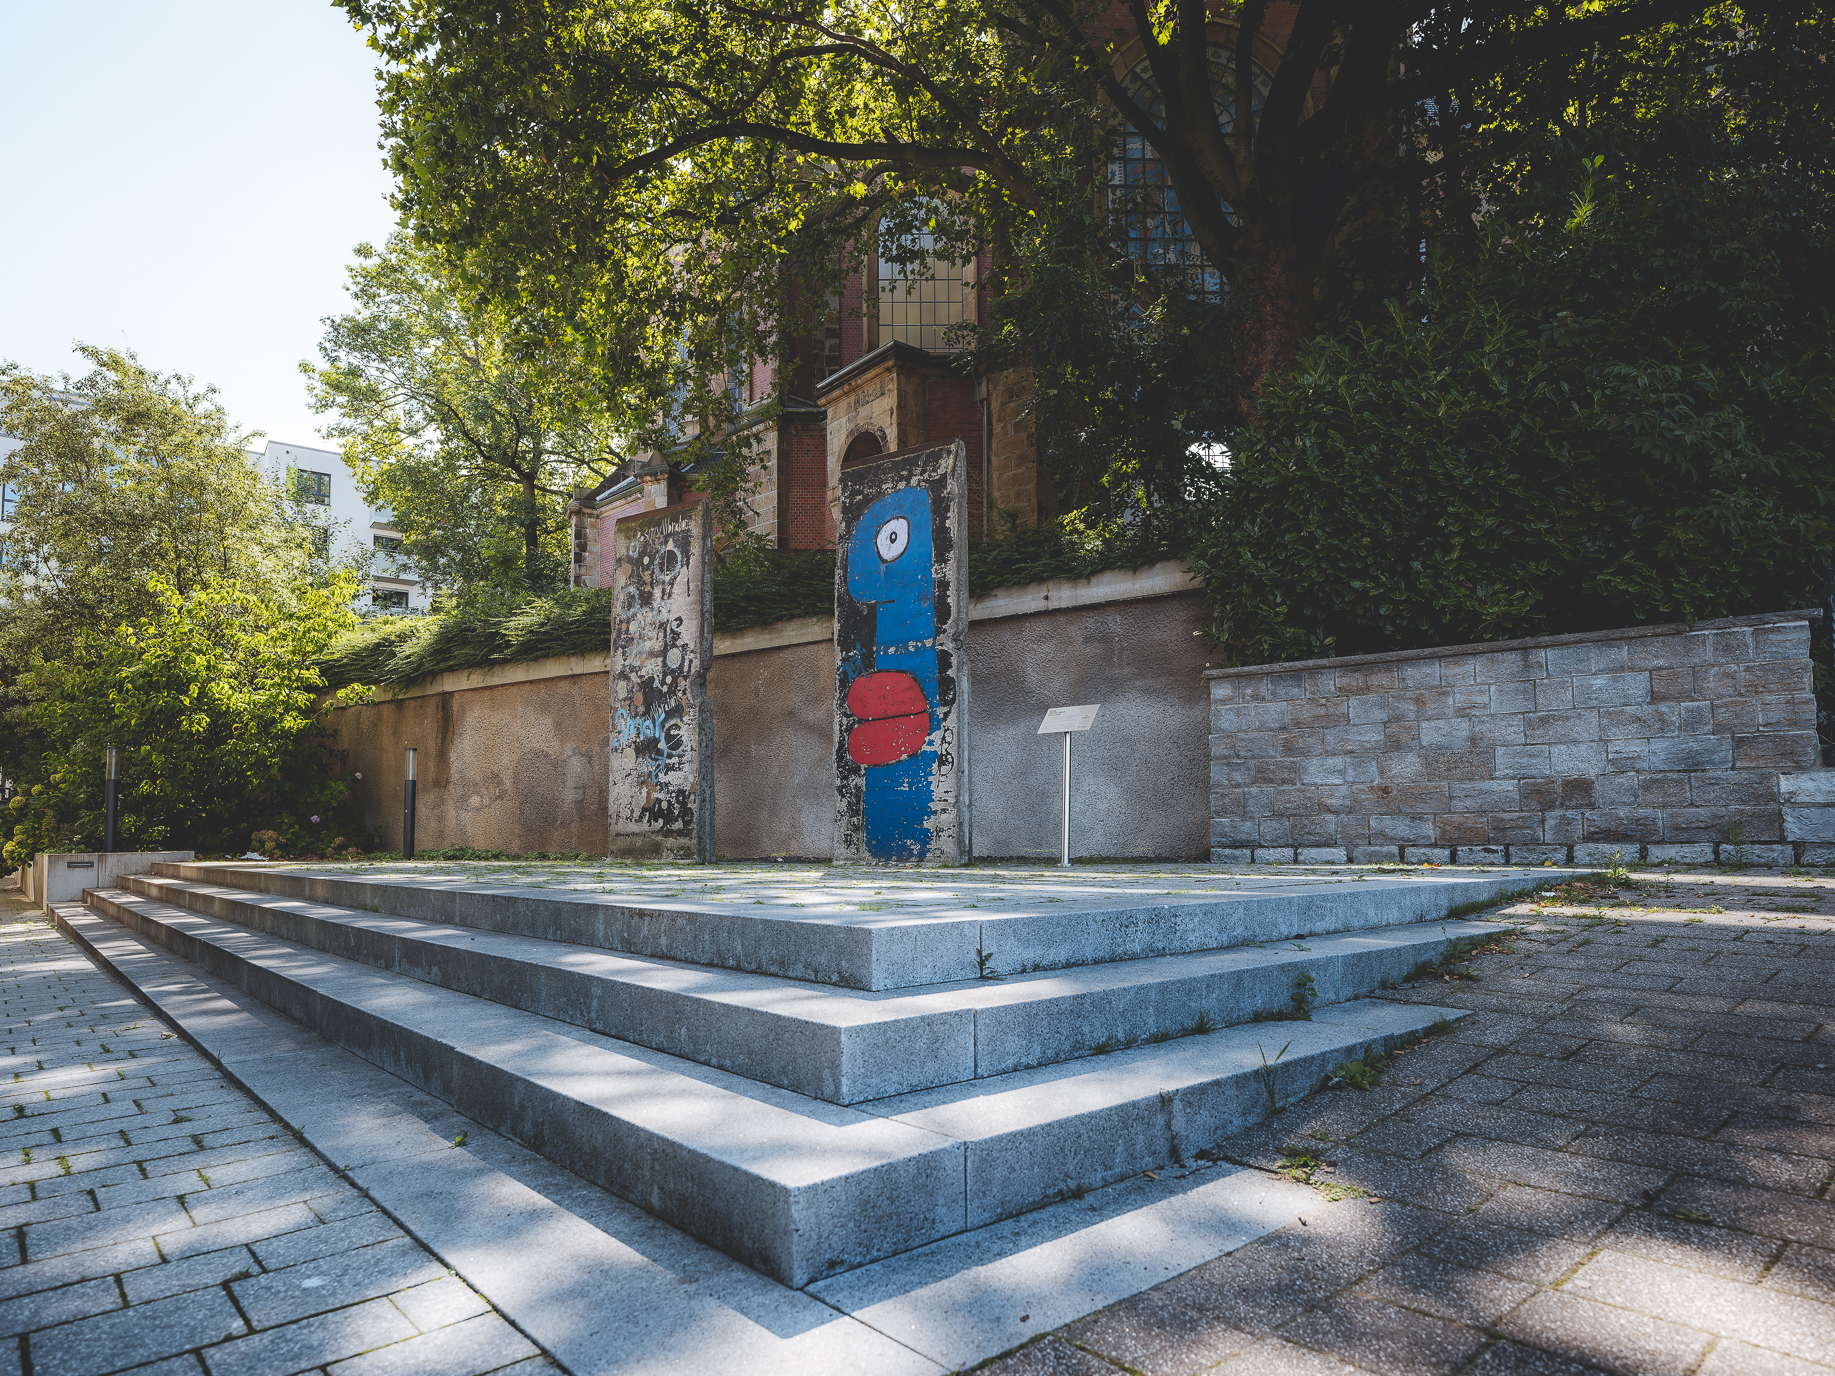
x=1617 y=412
x=753 y=587
x=756 y=587
x=125 y=475
x=214 y=701
x=404 y=650
x=471 y=432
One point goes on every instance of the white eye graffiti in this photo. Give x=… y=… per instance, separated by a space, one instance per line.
x=892 y=538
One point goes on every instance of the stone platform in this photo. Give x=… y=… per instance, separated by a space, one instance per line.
x=817 y=1068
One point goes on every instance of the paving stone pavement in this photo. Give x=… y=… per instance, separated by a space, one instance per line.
x=155 y=1219
x=1621 y=1163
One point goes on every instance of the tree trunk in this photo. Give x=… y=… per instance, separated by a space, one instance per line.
x=531 y=534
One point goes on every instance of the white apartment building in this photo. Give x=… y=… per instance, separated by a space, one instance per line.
x=327 y=494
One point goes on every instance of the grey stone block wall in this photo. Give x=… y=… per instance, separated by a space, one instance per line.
x=1670 y=737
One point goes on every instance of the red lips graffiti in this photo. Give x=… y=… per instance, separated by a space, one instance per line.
x=893 y=718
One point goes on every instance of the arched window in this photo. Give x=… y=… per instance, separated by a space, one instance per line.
x=1140 y=188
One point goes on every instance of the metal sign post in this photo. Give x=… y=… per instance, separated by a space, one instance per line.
x=407 y=810
x=1068 y=720
x=111 y=789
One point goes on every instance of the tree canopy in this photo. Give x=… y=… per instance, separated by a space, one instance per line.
x=1617 y=412
x=679 y=178
x=123 y=475
x=470 y=432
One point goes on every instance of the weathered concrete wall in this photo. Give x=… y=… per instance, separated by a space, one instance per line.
x=517 y=762
x=514 y=758
x=1135 y=790
x=1661 y=742
x=774 y=749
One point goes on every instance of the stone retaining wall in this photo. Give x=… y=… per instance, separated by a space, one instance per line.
x=1678 y=743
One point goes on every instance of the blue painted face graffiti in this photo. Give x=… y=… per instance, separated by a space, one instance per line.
x=892 y=692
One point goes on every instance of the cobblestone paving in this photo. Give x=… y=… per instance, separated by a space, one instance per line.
x=1621 y=1163
x=153 y=1218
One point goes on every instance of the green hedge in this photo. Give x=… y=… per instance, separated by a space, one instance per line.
x=755 y=589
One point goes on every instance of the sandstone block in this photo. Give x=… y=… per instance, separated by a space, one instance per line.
x=1637 y=723
x=1760 y=857
x=1521 y=761
x=1506 y=665
x=1733 y=646
x=1426 y=855
x=1778 y=676
x=1736 y=788
x=1548 y=728
x=1376 y=855
x=1416 y=704
x=1538 y=855
x=1611 y=690
x=1320 y=712
x=1274 y=687
x=1812 y=788
x=1462 y=828
x=1401 y=830
x=1485 y=795
x=1675 y=752
x=1668 y=651
x=1462 y=764
x=1447 y=733
x=1512 y=828
x=1809 y=823
x=1554 y=694
x=1787 y=640
x=1319 y=855
x=1569 y=660
x=1679 y=855
x=1481 y=855
x=1694 y=825
x=1625 y=824
x=1663 y=790
x=1776 y=750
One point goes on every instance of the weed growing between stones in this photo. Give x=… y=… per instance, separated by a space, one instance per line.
x=1304 y=1167
x=1267 y=1074
x=1360 y=1075
x=1305 y=994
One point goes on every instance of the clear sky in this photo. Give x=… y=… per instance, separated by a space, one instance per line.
x=187 y=180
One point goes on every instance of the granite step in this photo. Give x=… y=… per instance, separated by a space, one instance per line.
x=797 y=1187
x=842 y=1045
x=939 y=937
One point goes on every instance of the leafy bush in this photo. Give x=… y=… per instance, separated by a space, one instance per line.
x=214 y=701
x=1615 y=413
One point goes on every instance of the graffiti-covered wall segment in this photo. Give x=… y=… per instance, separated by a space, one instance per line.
x=662 y=770
x=901 y=681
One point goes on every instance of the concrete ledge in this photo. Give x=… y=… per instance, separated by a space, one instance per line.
x=1492 y=647
x=1114 y=585
x=61 y=878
